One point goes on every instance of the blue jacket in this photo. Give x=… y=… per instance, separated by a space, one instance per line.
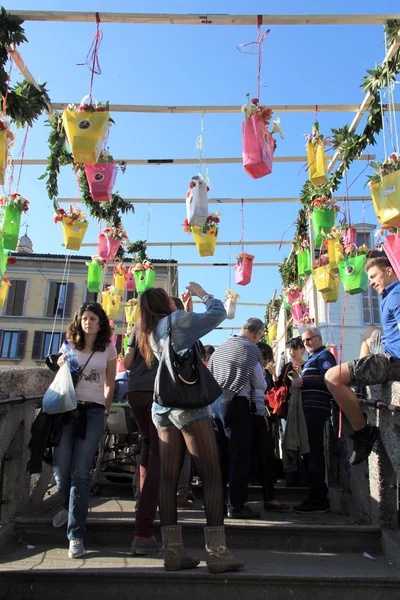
x=314 y=392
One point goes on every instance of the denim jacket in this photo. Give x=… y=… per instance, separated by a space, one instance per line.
x=186 y=329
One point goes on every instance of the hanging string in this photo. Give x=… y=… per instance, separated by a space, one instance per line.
x=200 y=143
x=92 y=57
x=392 y=115
x=242 y=211
x=22 y=154
x=5 y=97
x=259 y=42
x=229 y=269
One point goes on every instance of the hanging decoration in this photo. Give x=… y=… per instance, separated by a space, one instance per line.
x=334 y=243
x=3 y=257
x=322 y=274
x=86 y=128
x=110 y=302
x=14 y=205
x=6 y=139
x=385 y=190
x=205 y=237
x=131 y=310
x=95 y=273
x=334 y=350
x=109 y=243
x=323 y=214
x=304 y=258
x=74 y=224
x=119 y=278
x=144 y=276
x=5 y=284
x=230 y=303
x=351 y=270
x=243 y=268
x=114 y=336
x=130 y=280
x=391 y=247
x=333 y=294
x=317 y=161
x=197 y=201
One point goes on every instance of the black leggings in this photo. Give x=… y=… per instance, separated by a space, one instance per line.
x=199 y=438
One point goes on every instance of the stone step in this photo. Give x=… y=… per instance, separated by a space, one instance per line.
x=110 y=573
x=277 y=535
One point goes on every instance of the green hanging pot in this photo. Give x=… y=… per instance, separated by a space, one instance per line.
x=95 y=276
x=144 y=279
x=352 y=274
x=285 y=301
x=11 y=224
x=3 y=258
x=322 y=219
x=304 y=262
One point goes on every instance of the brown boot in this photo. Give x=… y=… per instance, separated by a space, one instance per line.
x=175 y=557
x=219 y=559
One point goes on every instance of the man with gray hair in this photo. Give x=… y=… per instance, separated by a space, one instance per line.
x=237 y=367
x=317 y=409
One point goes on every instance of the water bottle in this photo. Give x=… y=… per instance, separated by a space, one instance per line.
x=68 y=350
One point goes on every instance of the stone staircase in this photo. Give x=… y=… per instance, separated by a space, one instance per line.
x=286 y=556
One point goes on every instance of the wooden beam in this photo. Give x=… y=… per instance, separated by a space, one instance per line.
x=175 y=244
x=186 y=161
x=25 y=72
x=202 y=19
x=366 y=102
x=218 y=200
x=281 y=108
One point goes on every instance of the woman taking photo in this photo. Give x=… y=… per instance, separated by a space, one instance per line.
x=178 y=427
x=89 y=335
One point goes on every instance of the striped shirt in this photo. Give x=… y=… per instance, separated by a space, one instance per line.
x=314 y=392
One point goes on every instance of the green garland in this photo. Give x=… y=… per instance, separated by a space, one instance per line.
x=350 y=146
x=25 y=103
x=59 y=157
x=138 y=249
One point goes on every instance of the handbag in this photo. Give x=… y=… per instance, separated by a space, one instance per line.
x=182 y=380
x=277 y=397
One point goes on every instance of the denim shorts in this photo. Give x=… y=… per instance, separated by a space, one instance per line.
x=180 y=417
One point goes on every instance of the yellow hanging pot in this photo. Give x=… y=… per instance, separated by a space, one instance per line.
x=272 y=332
x=74 y=232
x=334 y=253
x=3 y=292
x=323 y=278
x=86 y=132
x=317 y=163
x=386 y=199
x=119 y=284
x=333 y=294
x=205 y=242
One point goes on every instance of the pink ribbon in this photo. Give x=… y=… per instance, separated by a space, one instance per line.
x=259 y=42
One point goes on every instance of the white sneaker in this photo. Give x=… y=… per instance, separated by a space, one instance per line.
x=61 y=518
x=76 y=549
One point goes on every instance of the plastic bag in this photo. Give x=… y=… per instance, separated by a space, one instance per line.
x=197 y=203
x=60 y=397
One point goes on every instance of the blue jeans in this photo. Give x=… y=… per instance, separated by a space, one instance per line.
x=73 y=460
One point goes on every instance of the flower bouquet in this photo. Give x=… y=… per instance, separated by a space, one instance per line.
x=323 y=218
x=119 y=278
x=109 y=242
x=86 y=127
x=95 y=273
x=197 y=201
x=351 y=269
x=114 y=336
x=205 y=237
x=131 y=310
x=258 y=143
x=243 y=268
x=101 y=176
x=317 y=161
x=110 y=302
x=74 y=225
x=230 y=303
x=334 y=350
x=144 y=274
x=385 y=190
x=15 y=205
x=5 y=284
x=303 y=259
x=6 y=137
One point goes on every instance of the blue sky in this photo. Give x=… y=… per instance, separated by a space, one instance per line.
x=175 y=65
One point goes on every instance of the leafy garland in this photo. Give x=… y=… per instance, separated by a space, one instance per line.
x=350 y=146
x=138 y=249
x=59 y=156
x=25 y=103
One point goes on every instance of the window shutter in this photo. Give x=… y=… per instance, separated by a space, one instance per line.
x=51 y=299
x=11 y=297
x=19 y=299
x=69 y=299
x=21 y=344
x=37 y=345
x=118 y=345
x=1 y=339
x=366 y=317
x=91 y=297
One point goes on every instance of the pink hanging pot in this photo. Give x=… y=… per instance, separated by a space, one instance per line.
x=108 y=247
x=101 y=179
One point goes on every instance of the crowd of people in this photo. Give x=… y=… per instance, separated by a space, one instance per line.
x=222 y=439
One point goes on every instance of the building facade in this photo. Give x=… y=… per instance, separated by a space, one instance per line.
x=45 y=292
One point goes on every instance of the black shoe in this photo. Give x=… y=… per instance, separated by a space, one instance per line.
x=363 y=442
x=280 y=507
x=242 y=512
x=309 y=507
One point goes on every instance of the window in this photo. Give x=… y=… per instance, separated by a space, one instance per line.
x=41 y=344
x=12 y=344
x=371 y=314
x=91 y=297
x=59 y=301
x=365 y=238
x=16 y=298
x=130 y=295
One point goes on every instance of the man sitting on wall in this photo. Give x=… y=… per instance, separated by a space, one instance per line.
x=380 y=365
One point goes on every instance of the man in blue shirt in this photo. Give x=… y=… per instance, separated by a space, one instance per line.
x=382 y=364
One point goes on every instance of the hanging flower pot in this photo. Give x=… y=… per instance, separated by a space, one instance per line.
x=243 y=268
x=316 y=159
x=285 y=300
x=3 y=257
x=114 y=338
x=95 y=274
x=144 y=276
x=197 y=201
x=323 y=278
x=130 y=280
x=386 y=198
x=120 y=364
x=5 y=284
x=131 y=310
x=119 y=283
x=6 y=138
x=110 y=302
x=335 y=253
x=349 y=236
x=74 y=232
x=293 y=293
x=230 y=303
x=352 y=274
x=15 y=205
x=323 y=219
x=86 y=129
x=304 y=262
x=125 y=341
x=299 y=309
x=391 y=248
x=205 y=242
x=272 y=331
x=333 y=294
x=109 y=243
x=101 y=179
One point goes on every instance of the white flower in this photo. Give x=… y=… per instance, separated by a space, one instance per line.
x=277 y=127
